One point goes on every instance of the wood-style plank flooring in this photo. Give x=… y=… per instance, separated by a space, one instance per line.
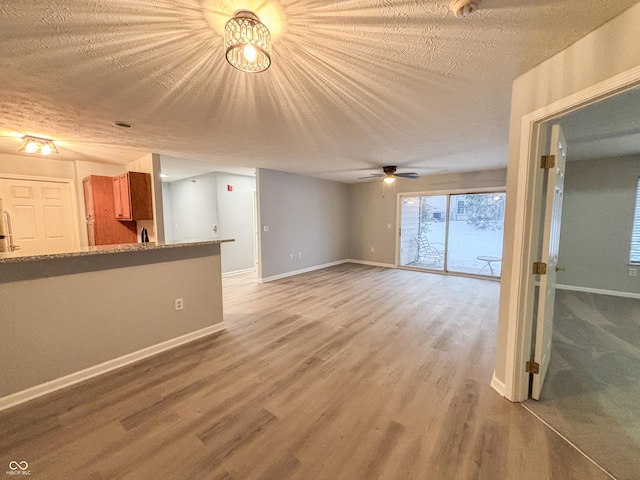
x=351 y=372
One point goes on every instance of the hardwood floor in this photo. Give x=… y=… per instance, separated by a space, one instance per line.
x=351 y=372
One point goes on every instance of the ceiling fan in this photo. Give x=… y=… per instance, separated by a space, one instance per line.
x=390 y=175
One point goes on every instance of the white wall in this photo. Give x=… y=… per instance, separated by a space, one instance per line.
x=167 y=210
x=597 y=220
x=308 y=220
x=36 y=166
x=608 y=51
x=373 y=217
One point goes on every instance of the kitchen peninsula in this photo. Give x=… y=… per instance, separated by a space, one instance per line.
x=71 y=316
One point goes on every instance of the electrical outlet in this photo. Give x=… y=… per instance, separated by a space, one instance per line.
x=388 y=225
x=299 y=254
x=291 y=256
x=633 y=271
x=372 y=249
x=265 y=228
x=179 y=303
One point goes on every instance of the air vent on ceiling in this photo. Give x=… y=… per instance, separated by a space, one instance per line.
x=464 y=8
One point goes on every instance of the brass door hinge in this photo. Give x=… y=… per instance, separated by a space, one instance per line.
x=539 y=268
x=548 y=161
x=533 y=367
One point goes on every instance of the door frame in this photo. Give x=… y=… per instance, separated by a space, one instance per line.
x=71 y=182
x=428 y=193
x=526 y=227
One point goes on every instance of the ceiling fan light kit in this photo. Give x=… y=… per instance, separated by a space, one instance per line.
x=389 y=176
x=464 y=8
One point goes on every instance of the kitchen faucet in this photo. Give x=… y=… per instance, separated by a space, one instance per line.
x=7 y=219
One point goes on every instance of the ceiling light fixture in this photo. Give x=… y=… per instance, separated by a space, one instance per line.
x=42 y=146
x=247 y=42
x=389 y=179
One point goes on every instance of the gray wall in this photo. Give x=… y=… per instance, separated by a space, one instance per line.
x=194 y=208
x=194 y=205
x=597 y=219
x=606 y=52
x=56 y=326
x=235 y=213
x=304 y=215
x=373 y=217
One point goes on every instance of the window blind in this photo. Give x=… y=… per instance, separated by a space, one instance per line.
x=635 y=234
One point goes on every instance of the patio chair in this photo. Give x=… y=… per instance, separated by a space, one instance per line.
x=429 y=253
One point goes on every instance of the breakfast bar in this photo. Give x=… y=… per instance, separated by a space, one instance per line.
x=70 y=316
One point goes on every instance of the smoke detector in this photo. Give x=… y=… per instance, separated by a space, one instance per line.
x=463 y=8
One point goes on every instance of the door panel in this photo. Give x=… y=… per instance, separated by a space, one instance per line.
x=24 y=222
x=423 y=232
x=42 y=215
x=550 y=247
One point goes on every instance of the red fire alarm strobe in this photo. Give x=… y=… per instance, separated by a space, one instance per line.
x=229 y=188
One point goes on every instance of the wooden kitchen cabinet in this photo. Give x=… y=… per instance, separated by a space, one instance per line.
x=102 y=226
x=132 y=196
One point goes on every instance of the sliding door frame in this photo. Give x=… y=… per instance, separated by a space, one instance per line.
x=448 y=193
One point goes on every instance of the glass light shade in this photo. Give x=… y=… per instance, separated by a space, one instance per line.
x=389 y=179
x=42 y=146
x=247 y=42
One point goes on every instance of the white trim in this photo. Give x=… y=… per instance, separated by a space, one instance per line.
x=455 y=191
x=59 y=383
x=497 y=384
x=37 y=178
x=301 y=271
x=371 y=264
x=238 y=272
x=519 y=321
x=599 y=291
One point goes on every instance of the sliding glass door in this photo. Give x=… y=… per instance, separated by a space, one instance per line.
x=423 y=232
x=459 y=233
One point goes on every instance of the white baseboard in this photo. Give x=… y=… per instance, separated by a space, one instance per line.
x=238 y=272
x=599 y=291
x=301 y=271
x=77 y=377
x=371 y=264
x=498 y=385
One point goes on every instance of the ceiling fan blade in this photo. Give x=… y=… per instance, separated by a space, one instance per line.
x=373 y=175
x=408 y=175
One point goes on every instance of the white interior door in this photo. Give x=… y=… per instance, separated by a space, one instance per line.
x=41 y=212
x=550 y=247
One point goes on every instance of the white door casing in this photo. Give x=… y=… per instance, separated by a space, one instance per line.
x=549 y=255
x=42 y=215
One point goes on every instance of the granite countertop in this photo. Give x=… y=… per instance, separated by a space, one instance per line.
x=107 y=250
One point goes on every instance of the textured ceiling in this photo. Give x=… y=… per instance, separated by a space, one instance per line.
x=354 y=85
